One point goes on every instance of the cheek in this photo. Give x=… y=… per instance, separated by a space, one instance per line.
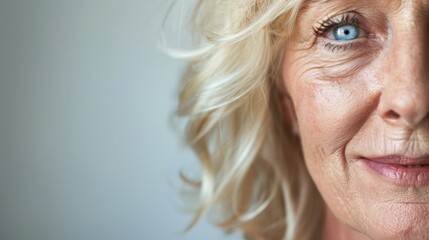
x=329 y=114
x=332 y=99
x=328 y=117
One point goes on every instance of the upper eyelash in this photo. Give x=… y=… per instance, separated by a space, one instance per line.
x=328 y=24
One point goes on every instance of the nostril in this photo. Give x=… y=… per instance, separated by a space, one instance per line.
x=392 y=115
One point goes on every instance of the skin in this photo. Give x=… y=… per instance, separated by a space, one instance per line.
x=371 y=98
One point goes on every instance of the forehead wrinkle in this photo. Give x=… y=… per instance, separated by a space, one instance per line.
x=329 y=7
x=391 y=4
x=308 y=3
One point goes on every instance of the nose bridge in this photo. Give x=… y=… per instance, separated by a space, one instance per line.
x=405 y=95
x=409 y=49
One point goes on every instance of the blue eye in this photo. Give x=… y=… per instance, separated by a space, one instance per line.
x=345 y=32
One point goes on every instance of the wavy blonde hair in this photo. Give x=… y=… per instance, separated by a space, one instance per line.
x=253 y=173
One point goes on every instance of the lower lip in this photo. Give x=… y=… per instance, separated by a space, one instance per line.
x=398 y=174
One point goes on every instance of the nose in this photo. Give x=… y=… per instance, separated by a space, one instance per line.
x=404 y=100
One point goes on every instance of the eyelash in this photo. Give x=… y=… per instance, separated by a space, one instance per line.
x=331 y=23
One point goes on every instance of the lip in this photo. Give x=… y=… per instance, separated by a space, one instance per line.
x=401 y=170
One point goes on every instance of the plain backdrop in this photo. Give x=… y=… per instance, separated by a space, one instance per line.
x=86 y=148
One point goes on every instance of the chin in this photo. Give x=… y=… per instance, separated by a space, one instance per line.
x=401 y=234
x=403 y=223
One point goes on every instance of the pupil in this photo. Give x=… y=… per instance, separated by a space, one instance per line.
x=347 y=32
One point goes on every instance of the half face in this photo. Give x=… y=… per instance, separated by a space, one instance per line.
x=357 y=75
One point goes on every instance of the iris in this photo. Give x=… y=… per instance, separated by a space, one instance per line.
x=346 y=32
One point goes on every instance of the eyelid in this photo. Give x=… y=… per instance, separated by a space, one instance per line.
x=335 y=21
x=329 y=24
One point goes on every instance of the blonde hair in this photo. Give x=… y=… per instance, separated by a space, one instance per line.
x=252 y=167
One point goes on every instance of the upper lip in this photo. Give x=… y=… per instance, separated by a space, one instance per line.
x=400 y=159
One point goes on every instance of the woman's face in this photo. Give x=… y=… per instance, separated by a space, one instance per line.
x=357 y=73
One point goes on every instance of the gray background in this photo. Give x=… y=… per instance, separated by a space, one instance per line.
x=86 y=150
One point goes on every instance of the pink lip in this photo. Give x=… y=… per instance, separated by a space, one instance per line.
x=401 y=170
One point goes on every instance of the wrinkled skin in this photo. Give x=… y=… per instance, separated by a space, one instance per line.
x=368 y=98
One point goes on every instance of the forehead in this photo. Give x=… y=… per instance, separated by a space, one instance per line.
x=397 y=9
x=387 y=4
